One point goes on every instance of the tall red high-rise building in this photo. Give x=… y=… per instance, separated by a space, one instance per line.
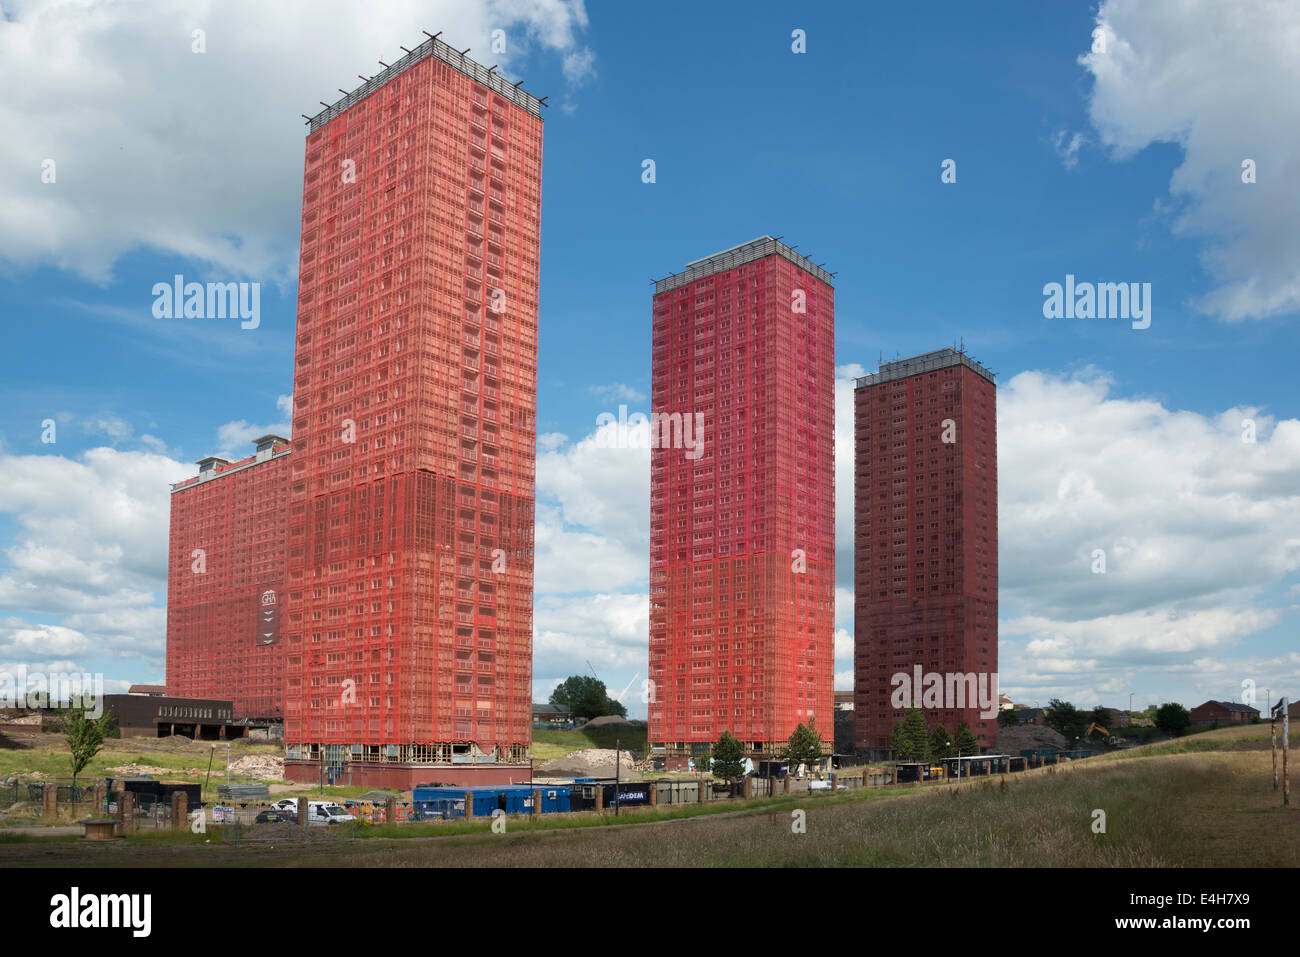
x=742 y=537
x=408 y=617
x=925 y=543
x=225 y=568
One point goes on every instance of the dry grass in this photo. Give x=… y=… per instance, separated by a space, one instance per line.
x=1166 y=806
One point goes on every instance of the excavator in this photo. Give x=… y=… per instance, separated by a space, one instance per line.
x=1110 y=739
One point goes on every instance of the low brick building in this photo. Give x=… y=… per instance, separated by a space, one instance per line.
x=1223 y=712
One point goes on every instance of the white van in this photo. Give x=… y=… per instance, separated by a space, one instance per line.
x=318 y=812
x=326 y=812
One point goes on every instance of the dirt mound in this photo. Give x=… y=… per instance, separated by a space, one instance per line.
x=591 y=763
x=1022 y=737
x=607 y=719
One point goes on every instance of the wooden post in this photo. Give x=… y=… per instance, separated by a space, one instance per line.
x=747 y=787
x=101 y=791
x=304 y=807
x=469 y=805
x=126 y=811
x=1286 y=747
x=600 y=797
x=50 y=799
x=537 y=802
x=390 y=810
x=653 y=792
x=1273 y=734
x=180 y=810
x=703 y=785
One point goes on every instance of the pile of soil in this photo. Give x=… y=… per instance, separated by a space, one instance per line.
x=1022 y=737
x=591 y=763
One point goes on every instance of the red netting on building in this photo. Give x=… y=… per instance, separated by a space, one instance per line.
x=926 y=537
x=742 y=538
x=410 y=549
x=226 y=553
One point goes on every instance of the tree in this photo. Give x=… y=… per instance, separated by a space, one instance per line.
x=804 y=747
x=941 y=744
x=703 y=760
x=1173 y=719
x=966 y=741
x=1067 y=719
x=911 y=738
x=85 y=736
x=729 y=760
x=1008 y=718
x=586 y=698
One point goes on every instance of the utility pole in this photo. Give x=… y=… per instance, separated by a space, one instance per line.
x=617 y=772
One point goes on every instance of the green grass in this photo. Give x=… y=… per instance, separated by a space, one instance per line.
x=550 y=745
x=51 y=757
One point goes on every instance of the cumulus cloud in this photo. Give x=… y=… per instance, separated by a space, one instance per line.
x=1219 y=80
x=91 y=546
x=1193 y=524
x=208 y=164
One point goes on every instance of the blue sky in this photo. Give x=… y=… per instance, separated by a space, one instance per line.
x=1119 y=165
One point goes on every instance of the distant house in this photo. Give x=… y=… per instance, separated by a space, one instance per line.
x=1119 y=718
x=844 y=701
x=1005 y=703
x=552 y=716
x=1032 y=716
x=1224 y=712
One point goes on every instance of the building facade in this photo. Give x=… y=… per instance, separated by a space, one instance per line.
x=925 y=545
x=225 y=573
x=1223 y=712
x=742 y=538
x=408 y=627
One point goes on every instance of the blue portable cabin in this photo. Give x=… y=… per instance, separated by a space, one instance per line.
x=449 y=802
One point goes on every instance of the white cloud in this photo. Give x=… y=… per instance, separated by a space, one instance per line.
x=1067 y=147
x=1219 y=80
x=200 y=154
x=617 y=392
x=1195 y=525
x=90 y=545
x=579 y=66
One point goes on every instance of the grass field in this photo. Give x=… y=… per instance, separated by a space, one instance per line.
x=1205 y=801
x=549 y=745
x=48 y=754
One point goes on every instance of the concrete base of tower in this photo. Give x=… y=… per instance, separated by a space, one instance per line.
x=406 y=776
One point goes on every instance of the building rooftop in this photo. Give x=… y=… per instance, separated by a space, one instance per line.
x=432 y=47
x=1233 y=706
x=926 y=362
x=212 y=466
x=755 y=249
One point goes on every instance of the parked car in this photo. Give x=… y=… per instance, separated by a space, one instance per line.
x=272 y=816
